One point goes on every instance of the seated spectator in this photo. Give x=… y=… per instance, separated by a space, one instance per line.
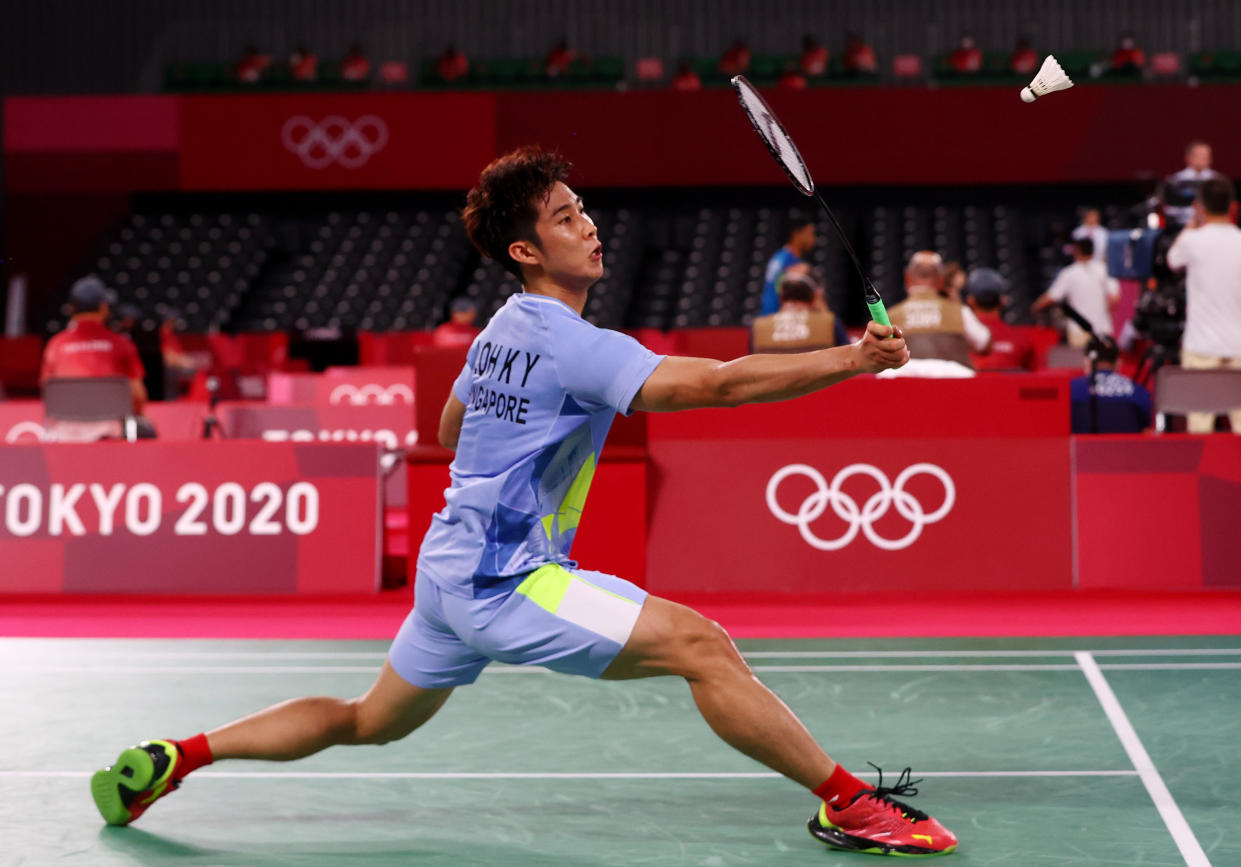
x=1011 y=349
x=250 y=67
x=1120 y=404
x=460 y=329
x=860 y=58
x=686 y=79
x=303 y=64
x=791 y=78
x=559 y=59
x=803 y=321
x=934 y=326
x=179 y=367
x=88 y=348
x=954 y=282
x=1087 y=288
x=356 y=66
x=814 y=58
x=966 y=59
x=1128 y=57
x=1092 y=227
x=736 y=59
x=1024 y=60
x=452 y=65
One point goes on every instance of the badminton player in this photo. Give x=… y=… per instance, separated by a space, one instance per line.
x=527 y=419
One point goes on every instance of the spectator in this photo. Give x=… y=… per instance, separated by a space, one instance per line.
x=1010 y=348
x=1179 y=190
x=1211 y=255
x=792 y=78
x=803 y=321
x=1128 y=57
x=860 y=58
x=1024 y=60
x=1120 y=405
x=179 y=367
x=303 y=64
x=967 y=58
x=250 y=67
x=736 y=59
x=954 y=282
x=452 y=65
x=559 y=59
x=356 y=66
x=800 y=243
x=460 y=329
x=814 y=58
x=88 y=348
x=1092 y=227
x=936 y=328
x=1086 y=286
x=686 y=79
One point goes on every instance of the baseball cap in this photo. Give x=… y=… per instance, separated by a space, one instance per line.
x=89 y=294
x=462 y=305
x=986 y=285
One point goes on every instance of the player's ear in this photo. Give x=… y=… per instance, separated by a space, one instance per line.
x=524 y=253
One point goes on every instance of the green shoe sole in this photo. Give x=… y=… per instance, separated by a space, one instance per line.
x=106 y=785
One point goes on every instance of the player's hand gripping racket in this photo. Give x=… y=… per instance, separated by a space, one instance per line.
x=777 y=139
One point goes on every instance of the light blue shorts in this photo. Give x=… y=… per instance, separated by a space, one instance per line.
x=571 y=621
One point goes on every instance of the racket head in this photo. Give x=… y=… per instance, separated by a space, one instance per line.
x=774 y=135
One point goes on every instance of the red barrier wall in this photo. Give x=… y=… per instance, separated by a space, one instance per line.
x=189 y=518
x=645 y=138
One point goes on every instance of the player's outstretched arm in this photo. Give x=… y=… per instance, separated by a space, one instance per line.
x=692 y=383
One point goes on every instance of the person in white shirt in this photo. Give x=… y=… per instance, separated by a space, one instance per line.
x=1092 y=227
x=1210 y=251
x=1178 y=189
x=1086 y=286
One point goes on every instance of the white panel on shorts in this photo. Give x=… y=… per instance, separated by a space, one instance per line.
x=596 y=609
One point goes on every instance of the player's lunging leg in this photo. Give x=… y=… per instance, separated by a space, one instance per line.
x=294 y=729
x=673 y=639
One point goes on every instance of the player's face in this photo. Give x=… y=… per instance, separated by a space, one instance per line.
x=1199 y=157
x=569 y=247
x=804 y=240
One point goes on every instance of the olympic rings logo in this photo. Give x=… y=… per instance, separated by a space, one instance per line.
x=371 y=394
x=334 y=140
x=864 y=518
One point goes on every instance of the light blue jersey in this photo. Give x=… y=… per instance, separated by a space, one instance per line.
x=541 y=387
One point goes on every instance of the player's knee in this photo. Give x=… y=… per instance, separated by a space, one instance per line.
x=367 y=727
x=706 y=647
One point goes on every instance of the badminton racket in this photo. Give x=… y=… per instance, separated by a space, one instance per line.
x=782 y=149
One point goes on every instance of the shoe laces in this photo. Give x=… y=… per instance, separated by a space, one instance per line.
x=904 y=786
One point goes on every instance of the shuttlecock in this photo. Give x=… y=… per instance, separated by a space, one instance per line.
x=1051 y=77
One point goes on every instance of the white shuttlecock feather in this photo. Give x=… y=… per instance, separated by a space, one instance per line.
x=1051 y=77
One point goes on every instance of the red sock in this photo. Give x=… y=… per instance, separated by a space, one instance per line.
x=840 y=786
x=194 y=754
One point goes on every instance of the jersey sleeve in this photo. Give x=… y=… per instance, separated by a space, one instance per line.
x=1059 y=287
x=1178 y=253
x=461 y=386
x=601 y=367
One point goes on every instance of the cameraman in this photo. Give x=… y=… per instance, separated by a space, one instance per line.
x=1178 y=190
x=1210 y=252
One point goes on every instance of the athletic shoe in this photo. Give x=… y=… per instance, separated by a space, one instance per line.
x=140 y=776
x=874 y=822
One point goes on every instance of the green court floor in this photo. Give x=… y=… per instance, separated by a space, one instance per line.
x=1066 y=752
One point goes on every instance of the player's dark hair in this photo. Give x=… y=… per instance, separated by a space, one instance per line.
x=503 y=206
x=1085 y=246
x=1216 y=196
x=798 y=288
x=798 y=222
x=1195 y=143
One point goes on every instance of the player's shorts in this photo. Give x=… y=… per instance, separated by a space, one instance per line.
x=569 y=620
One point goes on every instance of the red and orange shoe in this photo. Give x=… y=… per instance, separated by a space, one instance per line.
x=139 y=777
x=872 y=821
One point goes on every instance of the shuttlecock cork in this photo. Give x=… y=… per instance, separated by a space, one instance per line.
x=1051 y=77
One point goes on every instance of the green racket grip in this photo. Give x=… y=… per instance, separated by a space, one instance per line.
x=878 y=312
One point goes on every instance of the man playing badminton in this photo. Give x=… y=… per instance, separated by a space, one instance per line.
x=527 y=418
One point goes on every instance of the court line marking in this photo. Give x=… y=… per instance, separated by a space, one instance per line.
x=535 y=669
x=755 y=654
x=1185 y=840
x=563 y=775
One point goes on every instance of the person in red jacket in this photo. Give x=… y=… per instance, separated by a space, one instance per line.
x=967 y=58
x=355 y=66
x=859 y=56
x=686 y=79
x=1024 y=59
x=89 y=348
x=1128 y=57
x=303 y=64
x=1010 y=348
x=452 y=65
x=736 y=60
x=460 y=329
x=814 y=57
